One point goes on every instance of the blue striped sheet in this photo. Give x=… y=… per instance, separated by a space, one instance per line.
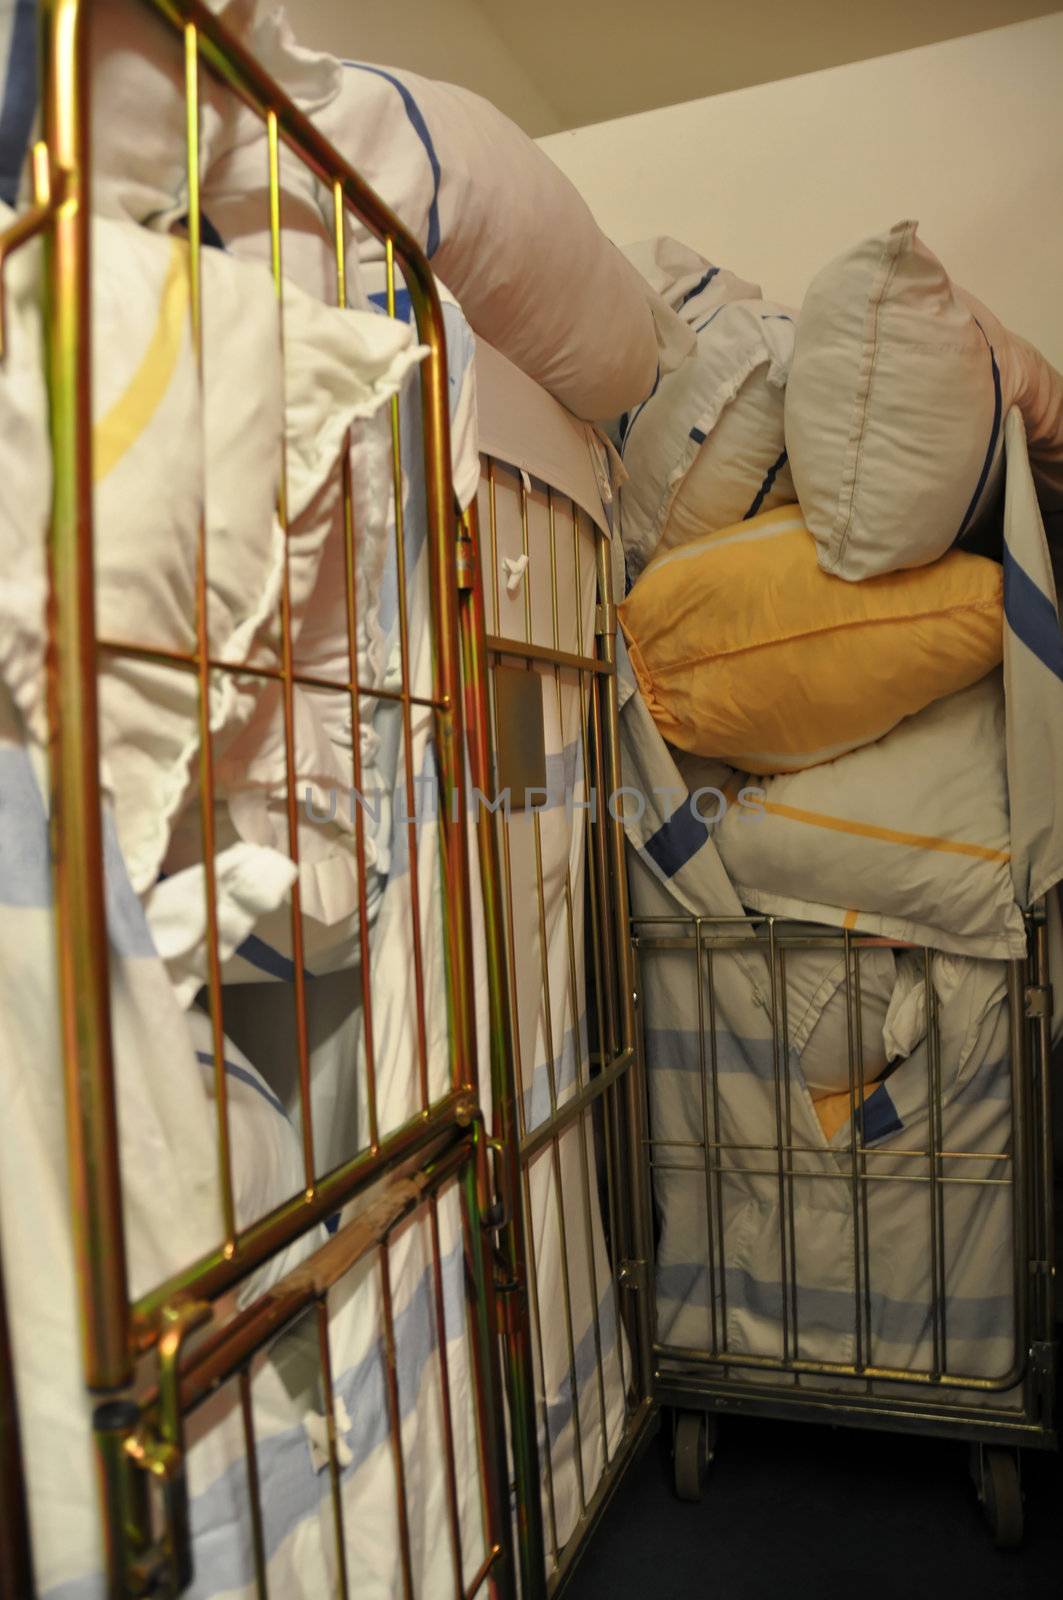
x=573 y=1052
x=560 y=1411
x=1031 y=615
x=985 y=1317
x=765 y=488
x=637 y=412
x=686 y=1049
x=702 y=283
x=18 y=103
x=878 y=1117
x=257 y=953
x=420 y=128
x=224 y=1559
x=677 y=841
x=994 y=435
x=26 y=862
x=252 y=1079
x=703 y=325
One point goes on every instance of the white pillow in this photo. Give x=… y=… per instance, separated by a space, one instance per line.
x=235 y=192
x=706 y=449
x=895 y=408
x=688 y=283
x=155 y=454
x=138 y=142
x=908 y=837
x=506 y=232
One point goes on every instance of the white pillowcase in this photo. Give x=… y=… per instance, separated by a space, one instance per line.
x=908 y=837
x=160 y=454
x=138 y=140
x=706 y=450
x=235 y=190
x=895 y=408
x=505 y=230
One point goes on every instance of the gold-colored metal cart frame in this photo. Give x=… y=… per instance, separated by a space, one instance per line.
x=168 y=1332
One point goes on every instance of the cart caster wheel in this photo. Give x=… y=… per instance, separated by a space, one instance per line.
x=996 y=1477
x=695 y=1446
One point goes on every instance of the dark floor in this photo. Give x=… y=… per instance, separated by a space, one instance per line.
x=803 y=1511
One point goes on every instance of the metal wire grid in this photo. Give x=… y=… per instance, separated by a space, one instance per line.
x=590 y=1133
x=861 y=1389
x=445 y=1139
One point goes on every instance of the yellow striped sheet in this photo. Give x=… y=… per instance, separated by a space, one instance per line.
x=134 y=408
x=871 y=830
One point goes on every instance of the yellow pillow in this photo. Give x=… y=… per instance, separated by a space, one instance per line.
x=744 y=649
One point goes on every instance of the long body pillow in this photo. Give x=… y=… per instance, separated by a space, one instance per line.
x=505 y=230
x=895 y=407
x=745 y=650
x=706 y=449
x=908 y=838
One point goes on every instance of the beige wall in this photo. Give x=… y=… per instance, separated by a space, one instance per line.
x=966 y=136
x=450 y=39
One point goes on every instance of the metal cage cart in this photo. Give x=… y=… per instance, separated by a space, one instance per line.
x=791 y=1370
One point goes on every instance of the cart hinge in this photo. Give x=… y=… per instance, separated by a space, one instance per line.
x=1043 y=1269
x=605 y=620
x=633 y=1275
x=1043 y=1371
x=1039 y=1000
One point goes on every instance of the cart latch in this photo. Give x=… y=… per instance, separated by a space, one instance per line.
x=605 y=620
x=1039 y=1000
x=632 y=1275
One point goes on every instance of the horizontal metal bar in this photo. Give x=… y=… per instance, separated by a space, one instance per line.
x=573 y=1109
x=219 y=1357
x=424 y=1136
x=482 y=1574
x=188 y=661
x=723 y=1147
x=542 y=652
x=831 y=1177
x=839 y=1369
x=854 y=1411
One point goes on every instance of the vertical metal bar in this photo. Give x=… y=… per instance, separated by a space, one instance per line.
x=483 y=1330
x=407 y=724
x=351 y=583
x=391 y=1387
x=865 y=1195
x=791 y=1221
x=302 y=1040
x=1018 y=1041
x=784 y=1266
x=706 y=1146
x=933 y=1068
x=511 y=1241
x=714 y=1078
x=574 y=1001
x=446 y=661
x=335 y=1480
x=203 y=653
x=449 y=1469
x=1045 y=1214
x=76 y=823
x=254 y=1486
x=642 y=1226
x=856 y=1122
x=16 y=1556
